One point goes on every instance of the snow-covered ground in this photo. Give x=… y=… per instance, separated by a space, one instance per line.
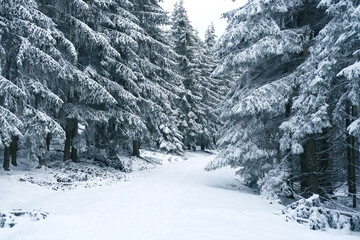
x=177 y=200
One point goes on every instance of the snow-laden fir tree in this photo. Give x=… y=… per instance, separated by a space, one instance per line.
x=32 y=63
x=104 y=35
x=326 y=111
x=214 y=89
x=221 y=83
x=161 y=85
x=186 y=45
x=264 y=42
x=121 y=48
x=12 y=100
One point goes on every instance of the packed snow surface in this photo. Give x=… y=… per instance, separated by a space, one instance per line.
x=177 y=200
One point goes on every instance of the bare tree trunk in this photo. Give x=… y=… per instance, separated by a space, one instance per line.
x=48 y=141
x=13 y=150
x=354 y=155
x=351 y=152
x=309 y=168
x=325 y=165
x=289 y=156
x=348 y=149
x=312 y=166
x=74 y=154
x=6 y=164
x=136 y=148
x=42 y=161
x=353 y=171
x=70 y=152
x=67 y=143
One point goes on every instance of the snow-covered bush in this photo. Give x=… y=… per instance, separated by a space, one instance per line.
x=68 y=175
x=316 y=216
x=11 y=218
x=273 y=185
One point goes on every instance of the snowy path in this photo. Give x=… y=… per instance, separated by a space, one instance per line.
x=174 y=201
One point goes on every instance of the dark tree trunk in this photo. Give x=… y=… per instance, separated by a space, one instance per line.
x=136 y=148
x=351 y=152
x=309 y=169
x=70 y=152
x=37 y=100
x=325 y=164
x=6 y=164
x=202 y=147
x=355 y=156
x=67 y=148
x=98 y=134
x=13 y=150
x=353 y=170
x=42 y=161
x=74 y=154
x=288 y=156
x=48 y=141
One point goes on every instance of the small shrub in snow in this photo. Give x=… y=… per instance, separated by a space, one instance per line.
x=69 y=175
x=273 y=185
x=316 y=216
x=10 y=218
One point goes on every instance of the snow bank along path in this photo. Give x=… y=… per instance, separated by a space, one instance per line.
x=174 y=201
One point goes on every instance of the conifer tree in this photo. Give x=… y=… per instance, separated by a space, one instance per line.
x=186 y=45
x=259 y=34
x=32 y=63
x=328 y=98
x=102 y=33
x=162 y=86
x=214 y=89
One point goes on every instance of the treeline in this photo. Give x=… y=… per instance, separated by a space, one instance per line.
x=292 y=118
x=104 y=76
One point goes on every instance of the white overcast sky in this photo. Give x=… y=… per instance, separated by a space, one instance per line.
x=203 y=12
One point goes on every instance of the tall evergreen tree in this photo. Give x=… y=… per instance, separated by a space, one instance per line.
x=328 y=98
x=186 y=45
x=162 y=85
x=260 y=34
x=214 y=89
x=104 y=34
x=32 y=63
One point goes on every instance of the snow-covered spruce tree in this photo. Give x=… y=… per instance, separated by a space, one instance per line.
x=11 y=97
x=144 y=51
x=161 y=85
x=213 y=91
x=12 y=100
x=264 y=41
x=33 y=64
x=220 y=83
x=104 y=34
x=328 y=101
x=186 y=45
x=339 y=66
x=112 y=47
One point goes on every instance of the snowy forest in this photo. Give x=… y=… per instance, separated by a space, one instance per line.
x=115 y=84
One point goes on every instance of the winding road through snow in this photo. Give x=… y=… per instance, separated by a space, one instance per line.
x=175 y=201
